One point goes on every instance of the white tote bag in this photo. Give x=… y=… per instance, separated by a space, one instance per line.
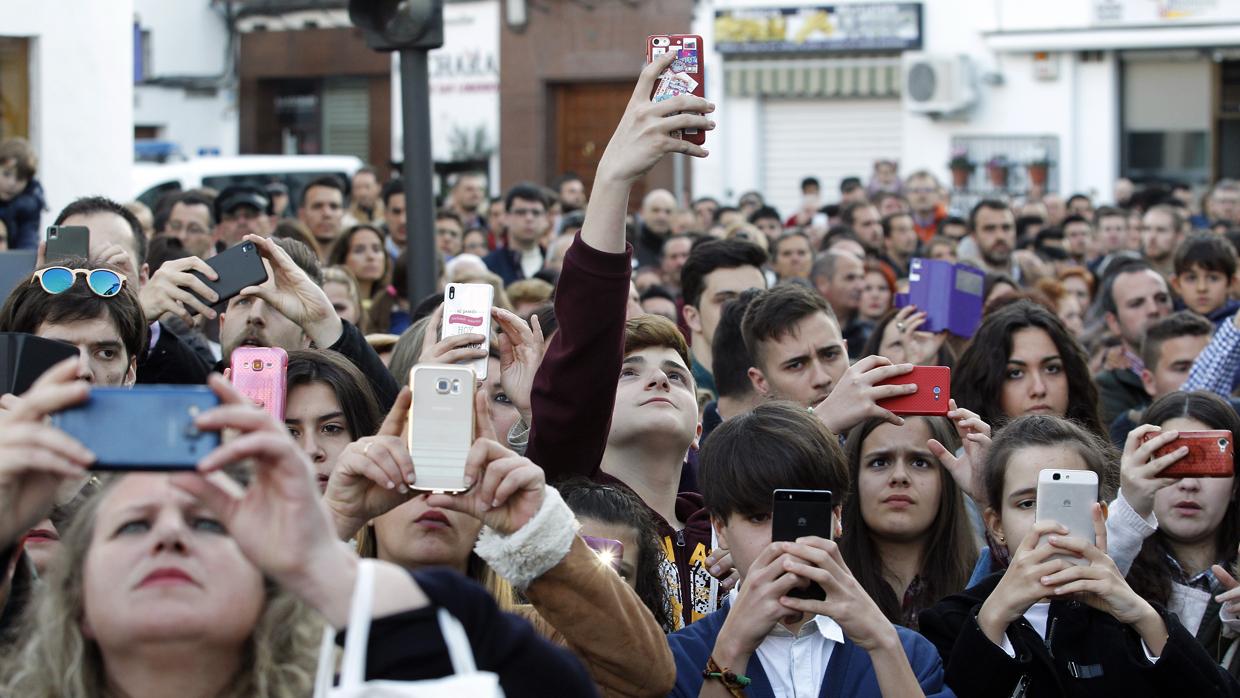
x=467 y=682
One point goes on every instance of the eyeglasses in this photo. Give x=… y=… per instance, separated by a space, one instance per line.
x=103 y=282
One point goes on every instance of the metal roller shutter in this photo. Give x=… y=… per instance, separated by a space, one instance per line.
x=829 y=139
x=346 y=118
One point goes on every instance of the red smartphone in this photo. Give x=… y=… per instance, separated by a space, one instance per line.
x=1210 y=454
x=934 y=389
x=687 y=74
x=261 y=374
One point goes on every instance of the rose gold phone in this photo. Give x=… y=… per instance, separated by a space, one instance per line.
x=261 y=374
x=441 y=426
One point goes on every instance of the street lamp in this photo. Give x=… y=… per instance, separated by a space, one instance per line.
x=413 y=27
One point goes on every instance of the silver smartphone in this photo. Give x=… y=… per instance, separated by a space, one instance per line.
x=1067 y=497
x=467 y=310
x=441 y=426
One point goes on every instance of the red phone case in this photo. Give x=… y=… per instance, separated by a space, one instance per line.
x=687 y=73
x=934 y=389
x=1210 y=454
x=261 y=374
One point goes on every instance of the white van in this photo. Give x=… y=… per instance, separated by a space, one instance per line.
x=152 y=181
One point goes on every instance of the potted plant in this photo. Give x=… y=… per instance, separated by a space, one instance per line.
x=997 y=171
x=1038 y=166
x=961 y=167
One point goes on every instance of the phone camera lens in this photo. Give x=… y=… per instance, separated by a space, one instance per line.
x=258 y=364
x=442 y=385
x=451 y=293
x=1055 y=476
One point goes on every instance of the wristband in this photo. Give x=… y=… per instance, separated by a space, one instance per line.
x=735 y=683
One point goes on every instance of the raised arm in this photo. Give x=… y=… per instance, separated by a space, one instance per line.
x=575 y=388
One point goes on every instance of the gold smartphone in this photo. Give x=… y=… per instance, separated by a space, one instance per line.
x=441 y=426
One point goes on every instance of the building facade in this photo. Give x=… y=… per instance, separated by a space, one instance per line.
x=66 y=83
x=1092 y=89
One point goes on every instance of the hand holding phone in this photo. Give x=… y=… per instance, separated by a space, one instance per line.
x=238 y=268
x=441 y=426
x=685 y=75
x=798 y=514
x=934 y=384
x=261 y=374
x=146 y=427
x=1067 y=497
x=1210 y=454
x=467 y=310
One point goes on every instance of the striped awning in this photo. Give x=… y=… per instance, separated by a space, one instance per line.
x=835 y=77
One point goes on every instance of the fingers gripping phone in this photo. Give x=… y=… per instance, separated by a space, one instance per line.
x=238 y=268
x=1067 y=497
x=146 y=427
x=67 y=242
x=261 y=374
x=686 y=75
x=934 y=389
x=1210 y=454
x=441 y=426
x=467 y=310
x=797 y=514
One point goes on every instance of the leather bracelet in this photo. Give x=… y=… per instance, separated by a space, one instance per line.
x=735 y=683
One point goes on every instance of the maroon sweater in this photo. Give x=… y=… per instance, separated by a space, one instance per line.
x=572 y=400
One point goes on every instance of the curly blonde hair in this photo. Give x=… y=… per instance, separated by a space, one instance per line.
x=51 y=658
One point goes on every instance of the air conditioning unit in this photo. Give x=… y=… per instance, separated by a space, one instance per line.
x=937 y=84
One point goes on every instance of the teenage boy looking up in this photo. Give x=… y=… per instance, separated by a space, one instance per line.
x=841 y=646
x=109 y=332
x=589 y=407
x=1205 y=273
x=716 y=272
x=797 y=352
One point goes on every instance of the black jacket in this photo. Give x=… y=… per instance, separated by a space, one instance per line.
x=1081 y=642
x=1120 y=390
x=409 y=647
x=172 y=362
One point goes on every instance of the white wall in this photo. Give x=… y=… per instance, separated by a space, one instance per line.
x=81 y=92
x=188 y=39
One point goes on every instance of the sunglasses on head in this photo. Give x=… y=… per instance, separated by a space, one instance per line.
x=103 y=282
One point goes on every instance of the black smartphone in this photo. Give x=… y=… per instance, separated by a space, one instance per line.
x=238 y=267
x=146 y=427
x=24 y=357
x=797 y=514
x=67 y=242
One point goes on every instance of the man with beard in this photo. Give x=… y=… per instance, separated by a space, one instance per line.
x=291 y=311
x=993 y=228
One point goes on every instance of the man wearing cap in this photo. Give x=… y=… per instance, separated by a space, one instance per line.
x=241 y=210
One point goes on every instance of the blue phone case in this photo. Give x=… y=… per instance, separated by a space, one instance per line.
x=148 y=427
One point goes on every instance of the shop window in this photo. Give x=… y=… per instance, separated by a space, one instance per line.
x=1166 y=139
x=14 y=87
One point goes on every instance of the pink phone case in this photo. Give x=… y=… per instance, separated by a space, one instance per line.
x=261 y=374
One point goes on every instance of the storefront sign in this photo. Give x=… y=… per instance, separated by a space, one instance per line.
x=1128 y=12
x=883 y=26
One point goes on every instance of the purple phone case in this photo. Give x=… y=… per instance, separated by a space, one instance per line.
x=949 y=294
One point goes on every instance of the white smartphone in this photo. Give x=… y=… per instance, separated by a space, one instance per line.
x=1067 y=497
x=467 y=310
x=441 y=426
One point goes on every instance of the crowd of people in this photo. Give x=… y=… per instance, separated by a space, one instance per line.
x=653 y=379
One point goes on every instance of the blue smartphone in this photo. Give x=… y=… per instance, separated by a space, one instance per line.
x=146 y=427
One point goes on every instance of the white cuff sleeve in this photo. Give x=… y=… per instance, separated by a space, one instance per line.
x=539 y=545
x=1149 y=656
x=1126 y=532
x=1006 y=646
x=1231 y=620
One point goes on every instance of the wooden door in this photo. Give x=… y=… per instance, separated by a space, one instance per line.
x=585 y=116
